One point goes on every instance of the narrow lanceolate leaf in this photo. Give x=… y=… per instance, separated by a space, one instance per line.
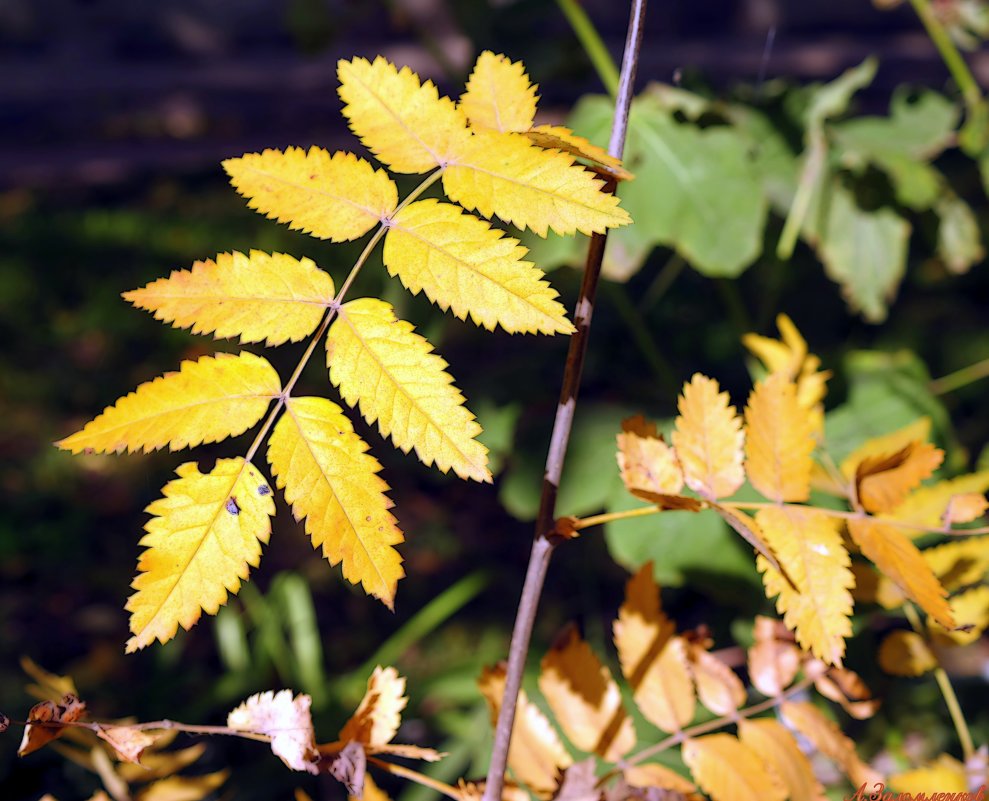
x=379 y=363
x=499 y=95
x=275 y=298
x=585 y=698
x=557 y=137
x=205 y=401
x=379 y=714
x=896 y=556
x=727 y=770
x=883 y=482
x=708 y=439
x=465 y=265
x=827 y=738
x=818 y=606
x=536 y=756
x=906 y=653
x=406 y=124
x=645 y=460
x=505 y=175
x=332 y=481
x=779 y=440
x=338 y=197
x=202 y=539
x=782 y=756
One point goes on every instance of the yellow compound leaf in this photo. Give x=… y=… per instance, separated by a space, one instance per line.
x=905 y=653
x=557 y=137
x=808 y=544
x=782 y=756
x=464 y=264
x=718 y=687
x=646 y=462
x=286 y=720
x=379 y=714
x=338 y=197
x=205 y=401
x=499 y=95
x=585 y=698
x=965 y=508
x=827 y=738
x=727 y=770
x=708 y=439
x=507 y=176
x=275 y=298
x=944 y=776
x=959 y=563
x=779 y=440
x=917 y=431
x=926 y=506
x=884 y=481
x=379 y=363
x=331 y=480
x=970 y=610
x=405 y=123
x=898 y=558
x=204 y=536
x=535 y=755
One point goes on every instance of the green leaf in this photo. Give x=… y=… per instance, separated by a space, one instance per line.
x=832 y=99
x=773 y=160
x=959 y=243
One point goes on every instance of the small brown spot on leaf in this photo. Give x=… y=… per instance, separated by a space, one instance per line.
x=232 y=506
x=367 y=519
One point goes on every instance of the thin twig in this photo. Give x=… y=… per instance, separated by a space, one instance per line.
x=543 y=542
x=420 y=778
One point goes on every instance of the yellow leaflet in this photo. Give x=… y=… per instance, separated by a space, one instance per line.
x=507 y=176
x=465 y=265
x=808 y=545
x=960 y=562
x=557 y=137
x=338 y=197
x=917 y=431
x=970 y=610
x=379 y=714
x=782 y=756
x=883 y=482
x=898 y=558
x=378 y=362
x=905 y=653
x=646 y=462
x=827 y=738
x=965 y=508
x=275 y=298
x=536 y=754
x=407 y=125
x=779 y=440
x=708 y=439
x=585 y=699
x=204 y=535
x=727 y=770
x=332 y=481
x=650 y=774
x=926 y=506
x=206 y=401
x=499 y=95
x=718 y=687
x=944 y=776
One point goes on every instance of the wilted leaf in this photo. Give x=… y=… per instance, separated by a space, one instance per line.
x=558 y=137
x=879 y=447
x=773 y=659
x=46 y=722
x=844 y=687
x=286 y=720
x=380 y=712
x=128 y=743
x=905 y=653
x=349 y=767
x=965 y=508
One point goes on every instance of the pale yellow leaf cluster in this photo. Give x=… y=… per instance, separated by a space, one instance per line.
x=273 y=298
x=381 y=365
x=782 y=757
x=379 y=713
x=203 y=537
x=728 y=770
x=906 y=653
x=827 y=738
x=286 y=720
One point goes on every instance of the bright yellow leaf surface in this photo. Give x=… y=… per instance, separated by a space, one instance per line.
x=205 y=401
x=898 y=558
x=557 y=137
x=379 y=713
x=405 y=123
x=275 y=298
x=808 y=545
x=779 y=440
x=331 y=480
x=203 y=537
x=960 y=562
x=926 y=505
x=944 y=775
x=905 y=653
x=585 y=699
x=499 y=95
x=338 y=197
x=646 y=462
x=507 y=176
x=727 y=770
x=970 y=610
x=782 y=756
x=464 y=264
x=708 y=439
x=718 y=686
x=917 y=431
x=883 y=482
x=536 y=754
x=379 y=363
x=829 y=740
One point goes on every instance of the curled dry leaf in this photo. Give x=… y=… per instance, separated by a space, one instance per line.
x=286 y=720
x=844 y=687
x=884 y=481
x=128 y=743
x=371 y=791
x=349 y=767
x=773 y=662
x=380 y=712
x=47 y=721
x=905 y=653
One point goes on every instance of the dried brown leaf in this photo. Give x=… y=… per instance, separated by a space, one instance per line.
x=128 y=743
x=46 y=722
x=380 y=712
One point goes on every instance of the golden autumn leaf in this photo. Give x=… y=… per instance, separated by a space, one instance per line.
x=960 y=562
x=905 y=653
x=205 y=401
x=965 y=508
x=970 y=610
x=463 y=264
x=585 y=699
x=185 y=788
x=379 y=714
x=897 y=557
x=338 y=197
x=844 y=687
x=507 y=176
x=827 y=738
x=728 y=770
x=917 y=431
x=204 y=536
x=46 y=722
x=128 y=743
x=883 y=481
x=818 y=606
x=926 y=505
x=782 y=756
x=779 y=440
x=653 y=661
x=944 y=775
x=381 y=365
x=773 y=659
x=708 y=439
x=749 y=530
x=49 y=686
x=331 y=481
x=718 y=687
x=273 y=298
x=405 y=123
x=499 y=95
x=536 y=755
x=785 y=355
x=558 y=137
x=651 y=774
x=645 y=460
x=286 y=720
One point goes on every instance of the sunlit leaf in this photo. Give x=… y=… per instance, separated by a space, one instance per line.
x=379 y=714
x=728 y=770
x=782 y=756
x=499 y=95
